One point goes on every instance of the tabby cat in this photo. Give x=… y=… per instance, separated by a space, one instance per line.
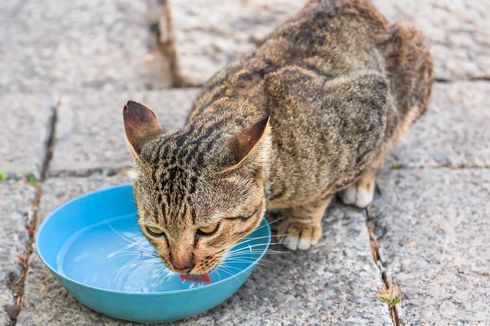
x=311 y=113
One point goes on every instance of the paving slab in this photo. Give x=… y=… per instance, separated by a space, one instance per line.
x=15 y=208
x=45 y=302
x=454 y=131
x=458 y=32
x=66 y=45
x=90 y=133
x=209 y=34
x=24 y=131
x=335 y=283
x=433 y=230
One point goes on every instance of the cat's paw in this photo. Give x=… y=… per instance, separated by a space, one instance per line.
x=296 y=236
x=359 y=194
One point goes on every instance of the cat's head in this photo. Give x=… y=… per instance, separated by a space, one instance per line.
x=198 y=190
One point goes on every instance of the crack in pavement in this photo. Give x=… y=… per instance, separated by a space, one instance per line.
x=470 y=79
x=451 y=166
x=105 y=172
x=380 y=264
x=18 y=289
x=163 y=32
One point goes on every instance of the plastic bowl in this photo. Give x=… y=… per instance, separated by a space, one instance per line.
x=84 y=241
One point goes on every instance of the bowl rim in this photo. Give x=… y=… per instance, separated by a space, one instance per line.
x=160 y=293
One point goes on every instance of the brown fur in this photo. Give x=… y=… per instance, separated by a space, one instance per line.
x=309 y=114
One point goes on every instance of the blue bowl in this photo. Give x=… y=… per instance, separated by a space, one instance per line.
x=94 y=247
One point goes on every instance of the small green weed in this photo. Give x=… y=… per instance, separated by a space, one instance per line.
x=390 y=296
x=31 y=178
x=397 y=166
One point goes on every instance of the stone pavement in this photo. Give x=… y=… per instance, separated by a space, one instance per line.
x=70 y=66
x=433 y=231
x=208 y=34
x=83 y=119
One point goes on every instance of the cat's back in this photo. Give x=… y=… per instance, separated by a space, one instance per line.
x=330 y=38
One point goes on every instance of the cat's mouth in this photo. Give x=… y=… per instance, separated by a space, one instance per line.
x=202 y=267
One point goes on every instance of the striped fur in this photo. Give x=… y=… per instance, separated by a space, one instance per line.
x=337 y=86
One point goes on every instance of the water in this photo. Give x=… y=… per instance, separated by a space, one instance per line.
x=115 y=255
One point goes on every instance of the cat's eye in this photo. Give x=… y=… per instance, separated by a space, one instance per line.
x=156 y=232
x=208 y=230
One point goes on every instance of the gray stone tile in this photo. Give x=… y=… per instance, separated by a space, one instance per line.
x=433 y=230
x=45 y=301
x=14 y=211
x=67 y=45
x=212 y=33
x=24 y=130
x=454 y=132
x=335 y=283
x=90 y=134
x=457 y=31
x=208 y=34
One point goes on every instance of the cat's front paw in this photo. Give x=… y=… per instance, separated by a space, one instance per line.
x=296 y=236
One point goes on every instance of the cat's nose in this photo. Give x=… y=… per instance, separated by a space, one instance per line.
x=182 y=261
x=182 y=256
x=184 y=267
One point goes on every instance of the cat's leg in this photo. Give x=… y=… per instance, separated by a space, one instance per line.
x=301 y=226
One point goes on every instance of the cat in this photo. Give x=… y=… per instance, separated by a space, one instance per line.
x=313 y=112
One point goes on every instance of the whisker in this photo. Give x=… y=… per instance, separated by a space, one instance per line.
x=231 y=273
x=130 y=241
x=260 y=263
x=246 y=254
x=254 y=249
x=248 y=240
x=128 y=254
x=247 y=259
x=255 y=245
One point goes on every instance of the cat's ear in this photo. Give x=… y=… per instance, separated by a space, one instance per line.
x=140 y=124
x=246 y=143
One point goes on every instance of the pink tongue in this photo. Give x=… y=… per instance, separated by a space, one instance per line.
x=204 y=278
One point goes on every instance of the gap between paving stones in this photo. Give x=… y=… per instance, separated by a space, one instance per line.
x=379 y=263
x=105 y=172
x=441 y=166
x=163 y=32
x=475 y=79
x=18 y=289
